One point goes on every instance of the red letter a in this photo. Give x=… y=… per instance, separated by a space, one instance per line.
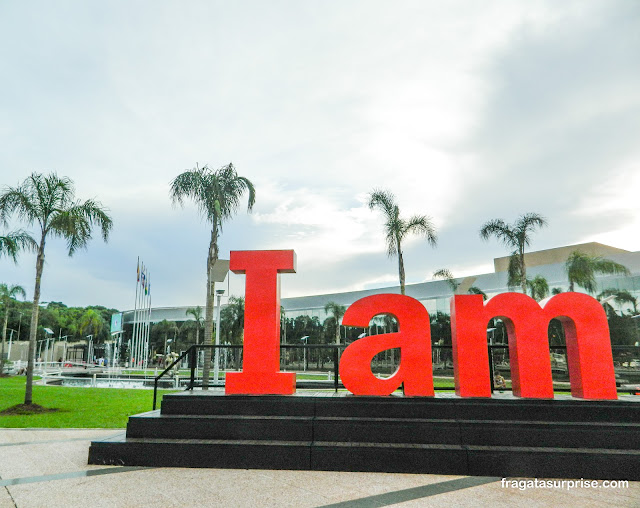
x=413 y=339
x=261 y=360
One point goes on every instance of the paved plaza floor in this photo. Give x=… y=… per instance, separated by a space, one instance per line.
x=48 y=468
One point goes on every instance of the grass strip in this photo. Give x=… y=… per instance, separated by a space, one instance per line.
x=77 y=407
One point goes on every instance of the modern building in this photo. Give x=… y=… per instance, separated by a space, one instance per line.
x=435 y=294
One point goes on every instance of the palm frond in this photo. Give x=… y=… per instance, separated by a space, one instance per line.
x=11 y=244
x=446 y=274
x=384 y=201
x=421 y=225
x=475 y=290
x=527 y=223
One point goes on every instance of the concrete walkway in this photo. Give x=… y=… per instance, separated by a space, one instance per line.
x=48 y=468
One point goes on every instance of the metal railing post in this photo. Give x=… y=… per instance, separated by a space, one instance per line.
x=155 y=392
x=193 y=355
x=491 y=368
x=336 y=371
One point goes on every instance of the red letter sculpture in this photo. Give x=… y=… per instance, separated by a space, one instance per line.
x=587 y=337
x=413 y=339
x=261 y=360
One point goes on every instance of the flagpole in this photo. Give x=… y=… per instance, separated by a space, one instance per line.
x=146 y=341
x=139 y=318
x=141 y=330
x=135 y=321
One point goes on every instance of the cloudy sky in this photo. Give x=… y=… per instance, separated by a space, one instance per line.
x=466 y=110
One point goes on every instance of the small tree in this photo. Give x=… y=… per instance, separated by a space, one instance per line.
x=196 y=312
x=336 y=312
x=446 y=274
x=539 y=287
x=582 y=268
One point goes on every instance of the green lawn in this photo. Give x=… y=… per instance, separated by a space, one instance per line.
x=79 y=407
x=86 y=407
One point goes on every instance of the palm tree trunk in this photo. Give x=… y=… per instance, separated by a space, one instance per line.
x=523 y=271
x=337 y=331
x=4 y=336
x=28 y=393
x=401 y=269
x=212 y=257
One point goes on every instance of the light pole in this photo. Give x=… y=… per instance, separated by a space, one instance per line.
x=216 y=357
x=304 y=352
x=89 y=348
x=48 y=332
x=11 y=337
x=19 y=325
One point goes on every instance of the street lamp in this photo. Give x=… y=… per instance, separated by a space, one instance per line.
x=304 y=339
x=48 y=332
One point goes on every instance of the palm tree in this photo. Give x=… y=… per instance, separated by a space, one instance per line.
x=49 y=202
x=13 y=242
x=232 y=320
x=336 y=311
x=621 y=297
x=582 y=268
x=397 y=228
x=515 y=236
x=91 y=321
x=539 y=287
x=7 y=296
x=447 y=275
x=196 y=312
x=217 y=195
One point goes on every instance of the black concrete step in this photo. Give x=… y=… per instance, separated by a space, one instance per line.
x=404 y=407
x=387 y=430
x=371 y=457
x=480 y=432
x=243 y=454
x=231 y=427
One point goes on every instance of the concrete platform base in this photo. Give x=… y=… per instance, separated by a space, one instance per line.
x=482 y=437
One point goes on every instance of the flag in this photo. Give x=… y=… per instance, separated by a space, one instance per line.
x=138 y=269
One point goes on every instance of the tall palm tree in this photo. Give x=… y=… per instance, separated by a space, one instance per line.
x=13 y=242
x=539 y=287
x=49 y=202
x=582 y=268
x=515 y=236
x=7 y=296
x=336 y=311
x=217 y=194
x=196 y=312
x=397 y=229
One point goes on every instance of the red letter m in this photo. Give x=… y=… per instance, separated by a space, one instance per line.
x=587 y=338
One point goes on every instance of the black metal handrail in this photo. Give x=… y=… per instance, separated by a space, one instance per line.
x=157 y=378
x=192 y=354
